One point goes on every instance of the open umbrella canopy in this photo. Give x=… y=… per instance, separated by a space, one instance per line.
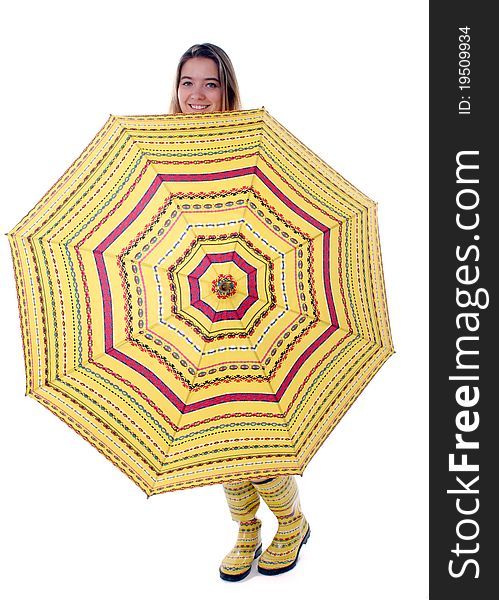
x=201 y=298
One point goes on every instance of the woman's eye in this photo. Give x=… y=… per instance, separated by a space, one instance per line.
x=211 y=85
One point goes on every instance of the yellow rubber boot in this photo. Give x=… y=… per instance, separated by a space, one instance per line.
x=281 y=496
x=243 y=501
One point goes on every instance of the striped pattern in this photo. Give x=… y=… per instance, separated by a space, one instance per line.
x=237 y=563
x=243 y=501
x=281 y=496
x=126 y=335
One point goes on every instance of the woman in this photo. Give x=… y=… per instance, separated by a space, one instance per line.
x=206 y=82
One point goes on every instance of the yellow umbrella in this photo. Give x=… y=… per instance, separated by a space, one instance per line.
x=201 y=298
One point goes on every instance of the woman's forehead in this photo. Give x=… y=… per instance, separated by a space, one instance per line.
x=201 y=67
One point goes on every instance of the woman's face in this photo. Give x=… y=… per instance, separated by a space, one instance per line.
x=199 y=88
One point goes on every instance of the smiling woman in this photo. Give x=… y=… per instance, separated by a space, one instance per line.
x=205 y=81
x=199 y=89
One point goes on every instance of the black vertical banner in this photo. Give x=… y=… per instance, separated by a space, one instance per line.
x=464 y=268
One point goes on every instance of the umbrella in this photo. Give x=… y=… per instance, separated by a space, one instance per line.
x=201 y=298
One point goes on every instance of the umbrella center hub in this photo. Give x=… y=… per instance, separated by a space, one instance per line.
x=224 y=286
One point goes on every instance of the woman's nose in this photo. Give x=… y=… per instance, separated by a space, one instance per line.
x=197 y=92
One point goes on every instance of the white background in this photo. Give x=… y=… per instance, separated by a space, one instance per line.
x=350 y=80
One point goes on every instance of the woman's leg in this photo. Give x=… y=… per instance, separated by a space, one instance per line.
x=243 y=501
x=281 y=496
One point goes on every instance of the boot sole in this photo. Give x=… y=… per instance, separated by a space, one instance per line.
x=239 y=576
x=280 y=570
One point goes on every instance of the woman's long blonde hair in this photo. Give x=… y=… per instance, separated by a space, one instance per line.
x=228 y=81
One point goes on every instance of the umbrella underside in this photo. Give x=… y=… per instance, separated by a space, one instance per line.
x=201 y=298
